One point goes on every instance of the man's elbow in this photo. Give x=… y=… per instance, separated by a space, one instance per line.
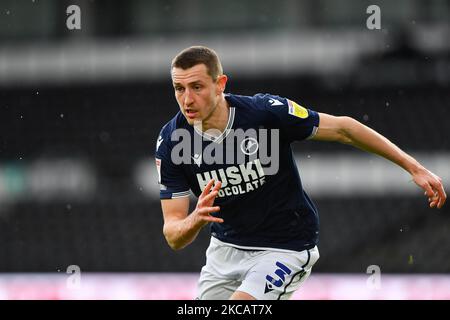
x=174 y=246
x=173 y=243
x=346 y=129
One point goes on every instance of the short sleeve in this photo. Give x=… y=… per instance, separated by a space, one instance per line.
x=171 y=179
x=296 y=121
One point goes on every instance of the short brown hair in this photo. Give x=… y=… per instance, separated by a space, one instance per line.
x=194 y=55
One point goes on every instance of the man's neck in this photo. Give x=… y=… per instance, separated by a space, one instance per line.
x=218 y=120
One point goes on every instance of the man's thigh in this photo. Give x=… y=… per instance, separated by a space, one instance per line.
x=210 y=287
x=221 y=275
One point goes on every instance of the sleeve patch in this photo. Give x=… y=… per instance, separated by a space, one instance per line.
x=297 y=110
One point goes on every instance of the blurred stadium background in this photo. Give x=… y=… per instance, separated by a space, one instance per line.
x=80 y=111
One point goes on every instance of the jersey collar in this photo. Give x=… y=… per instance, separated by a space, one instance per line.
x=225 y=132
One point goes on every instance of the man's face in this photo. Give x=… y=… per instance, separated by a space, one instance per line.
x=196 y=92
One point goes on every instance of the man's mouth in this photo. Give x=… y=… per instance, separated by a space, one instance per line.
x=191 y=114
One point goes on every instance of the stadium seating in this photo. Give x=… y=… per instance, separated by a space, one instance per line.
x=119 y=229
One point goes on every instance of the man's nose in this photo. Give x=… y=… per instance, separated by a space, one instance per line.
x=188 y=98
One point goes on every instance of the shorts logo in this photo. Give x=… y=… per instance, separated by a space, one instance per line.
x=297 y=110
x=249 y=146
x=281 y=273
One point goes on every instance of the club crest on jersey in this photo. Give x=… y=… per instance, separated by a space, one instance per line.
x=297 y=110
x=249 y=146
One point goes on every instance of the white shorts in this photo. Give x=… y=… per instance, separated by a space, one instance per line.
x=268 y=274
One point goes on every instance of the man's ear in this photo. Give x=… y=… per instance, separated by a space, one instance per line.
x=221 y=83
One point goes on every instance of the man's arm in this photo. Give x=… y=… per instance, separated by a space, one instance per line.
x=180 y=229
x=349 y=131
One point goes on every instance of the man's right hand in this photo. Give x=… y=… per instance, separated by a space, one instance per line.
x=202 y=213
x=180 y=227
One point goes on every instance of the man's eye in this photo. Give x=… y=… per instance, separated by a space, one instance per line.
x=197 y=87
x=179 y=89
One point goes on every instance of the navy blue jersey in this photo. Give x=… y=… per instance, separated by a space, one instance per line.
x=262 y=200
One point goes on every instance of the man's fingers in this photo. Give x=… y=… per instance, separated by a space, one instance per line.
x=207 y=188
x=213 y=219
x=442 y=195
x=439 y=196
x=440 y=202
x=433 y=200
x=431 y=195
x=428 y=190
x=217 y=186
x=436 y=201
x=434 y=189
x=208 y=198
x=207 y=210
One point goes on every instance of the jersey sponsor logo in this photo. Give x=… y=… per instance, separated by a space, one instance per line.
x=281 y=273
x=275 y=102
x=235 y=180
x=158 y=168
x=249 y=146
x=297 y=110
x=158 y=142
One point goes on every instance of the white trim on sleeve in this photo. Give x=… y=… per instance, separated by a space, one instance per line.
x=181 y=194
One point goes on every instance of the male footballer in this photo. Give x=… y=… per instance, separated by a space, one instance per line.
x=234 y=153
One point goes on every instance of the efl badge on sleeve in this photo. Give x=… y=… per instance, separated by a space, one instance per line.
x=297 y=110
